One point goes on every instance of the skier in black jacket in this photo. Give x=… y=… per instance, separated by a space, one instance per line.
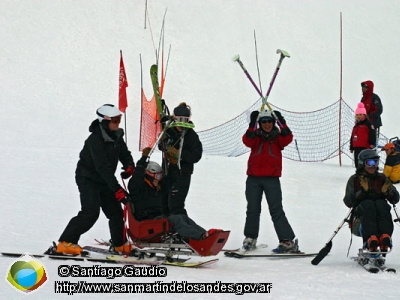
x=179 y=167
x=368 y=191
x=97 y=184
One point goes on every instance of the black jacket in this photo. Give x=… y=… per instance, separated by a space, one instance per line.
x=98 y=160
x=146 y=198
x=192 y=149
x=374 y=192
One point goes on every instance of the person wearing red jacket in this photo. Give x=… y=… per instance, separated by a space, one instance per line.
x=264 y=168
x=372 y=103
x=363 y=135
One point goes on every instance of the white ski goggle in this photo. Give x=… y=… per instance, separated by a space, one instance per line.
x=182 y=119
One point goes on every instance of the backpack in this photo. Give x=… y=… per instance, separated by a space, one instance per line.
x=395 y=140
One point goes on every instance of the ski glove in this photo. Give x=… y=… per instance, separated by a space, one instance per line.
x=364 y=183
x=122 y=196
x=280 y=117
x=146 y=151
x=172 y=155
x=392 y=195
x=253 y=118
x=128 y=172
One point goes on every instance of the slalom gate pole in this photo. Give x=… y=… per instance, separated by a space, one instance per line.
x=324 y=251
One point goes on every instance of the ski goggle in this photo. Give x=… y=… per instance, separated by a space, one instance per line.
x=266 y=120
x=182 y=119
x=372 y=162
x=116 y=119
x=158 y=176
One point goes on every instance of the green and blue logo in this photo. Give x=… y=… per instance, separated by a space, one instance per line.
x=26 y=274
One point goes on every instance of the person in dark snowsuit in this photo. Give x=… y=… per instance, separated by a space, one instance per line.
x=264 y=168
x=97 y=184
x=367 y=191
x=146 y=193
x=372 y=103
x=179 y=170
x=145 y=189
x=363 y=135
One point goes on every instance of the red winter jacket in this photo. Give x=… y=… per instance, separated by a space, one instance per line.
x=362 y=135
x=266 y=151
x=373 y=104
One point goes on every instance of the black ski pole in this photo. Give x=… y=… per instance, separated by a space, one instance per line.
x=324 y=251
x=397 y=215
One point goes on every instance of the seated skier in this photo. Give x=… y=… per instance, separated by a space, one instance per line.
x=368 y=191
x=145 y=191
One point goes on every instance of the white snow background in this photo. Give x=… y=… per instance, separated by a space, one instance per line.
x=60 y=61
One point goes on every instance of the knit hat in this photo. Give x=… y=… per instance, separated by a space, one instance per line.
x=182 y=110
x=360 y=110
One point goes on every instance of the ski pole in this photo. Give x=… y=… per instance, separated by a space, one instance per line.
x=397 y=215
x=264 y=99
x=159 y=138
x=324 y=251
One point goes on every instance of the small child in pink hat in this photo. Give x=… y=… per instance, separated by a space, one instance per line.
x=363 y=135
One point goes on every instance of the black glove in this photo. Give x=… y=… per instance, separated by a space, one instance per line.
x=358 y=197
x=392 y=195
x=253 y=118
x=128 y=171
x=166 y=118
x=280 y=117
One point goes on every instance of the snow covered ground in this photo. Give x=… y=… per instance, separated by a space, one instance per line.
x=59 y=62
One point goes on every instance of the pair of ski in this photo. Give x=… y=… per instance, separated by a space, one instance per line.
x=372 y=262
x=238 y=253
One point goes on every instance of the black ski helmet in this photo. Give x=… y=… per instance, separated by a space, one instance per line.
x=366 y=154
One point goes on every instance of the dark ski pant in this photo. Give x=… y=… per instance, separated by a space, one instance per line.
x=376 y=218
x=186 y=227
x=176 y=187
x=94 y=196
x=271 y=186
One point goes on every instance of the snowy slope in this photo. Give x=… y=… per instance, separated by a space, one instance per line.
x=59 y=62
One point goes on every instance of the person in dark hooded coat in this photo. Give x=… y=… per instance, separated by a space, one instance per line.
x=372 y=103
x=97 y=184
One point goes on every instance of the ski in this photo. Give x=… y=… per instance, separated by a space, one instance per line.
x=191 y=264
x=83 y=258
x=156 y=89
x=178 y=262
x=369 y=268
x=272 y=255
x=373 y=262
x=181 y=263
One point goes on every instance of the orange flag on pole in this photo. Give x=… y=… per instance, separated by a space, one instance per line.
x=123 y=84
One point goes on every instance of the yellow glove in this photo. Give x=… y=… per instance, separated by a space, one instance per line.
x=146 y=151
x=172 y=155
x=386 y=186
x=364 y=183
